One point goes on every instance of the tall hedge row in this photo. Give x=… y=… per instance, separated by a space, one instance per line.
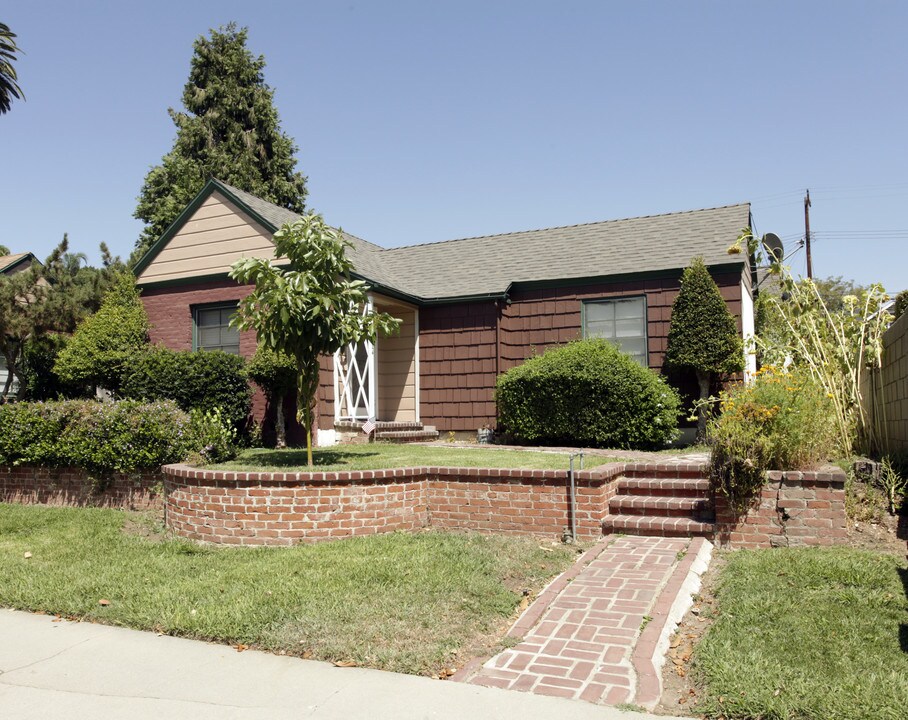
x=124 y=436
x=587 y=393
x=193 y=380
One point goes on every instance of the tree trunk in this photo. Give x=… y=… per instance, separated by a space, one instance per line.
x=307 y=386
x=9 y=382
x=280 y=428
x=703 y=379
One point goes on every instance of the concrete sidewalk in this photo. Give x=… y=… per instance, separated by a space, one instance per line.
x=69 y=670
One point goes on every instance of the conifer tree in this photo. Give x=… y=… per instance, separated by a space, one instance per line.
x=230 y=130
x=703 y=336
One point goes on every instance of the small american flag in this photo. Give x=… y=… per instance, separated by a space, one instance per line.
x=369 y=426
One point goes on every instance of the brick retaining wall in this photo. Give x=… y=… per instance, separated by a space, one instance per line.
x=76 y=488
x=794 y=509
x=286 y=508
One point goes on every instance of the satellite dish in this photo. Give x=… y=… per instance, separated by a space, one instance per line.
x=774 y=247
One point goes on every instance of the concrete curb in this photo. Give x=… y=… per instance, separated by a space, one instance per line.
x=673 y=602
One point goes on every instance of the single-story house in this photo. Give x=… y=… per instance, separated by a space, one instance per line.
x=470 y=308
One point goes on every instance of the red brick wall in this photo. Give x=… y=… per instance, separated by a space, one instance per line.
x=73 y=487
x=170 y=318
x=794 y=509
x=267 y=512
x=170 y=311
x=519 y=502
x=284 y=509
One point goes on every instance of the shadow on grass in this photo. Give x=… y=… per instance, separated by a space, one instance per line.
x=297 y=458
x=903 y=628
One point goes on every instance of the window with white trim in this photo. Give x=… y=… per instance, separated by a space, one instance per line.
x=622 y=321
x=212 y=331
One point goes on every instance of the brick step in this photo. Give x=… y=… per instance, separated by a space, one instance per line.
x=407 y=435
x=657 y=526
x=698 y=487
x=386 y=425
x=696 y=508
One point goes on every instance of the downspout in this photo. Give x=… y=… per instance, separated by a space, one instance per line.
x=499 y=310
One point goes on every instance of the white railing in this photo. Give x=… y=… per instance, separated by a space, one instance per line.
x=355 y=379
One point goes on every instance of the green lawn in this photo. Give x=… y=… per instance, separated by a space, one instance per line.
x=411 y=603
x=377 y=456
x=820 y=634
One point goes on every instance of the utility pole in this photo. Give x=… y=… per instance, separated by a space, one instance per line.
x=807 y=233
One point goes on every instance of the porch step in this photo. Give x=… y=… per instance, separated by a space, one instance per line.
x=403 y=432
x=383 y=425
x=657 y=526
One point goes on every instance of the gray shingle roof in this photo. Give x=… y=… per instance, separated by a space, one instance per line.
x=489 y=265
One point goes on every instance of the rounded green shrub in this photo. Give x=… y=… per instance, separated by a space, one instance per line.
x=781 y=421
x=587 y=393
x=123 y=436
x=193 y=380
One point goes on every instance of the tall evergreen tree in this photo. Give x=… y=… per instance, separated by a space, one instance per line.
x=230 y=131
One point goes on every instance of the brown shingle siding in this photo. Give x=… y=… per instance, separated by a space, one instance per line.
x=457 y=365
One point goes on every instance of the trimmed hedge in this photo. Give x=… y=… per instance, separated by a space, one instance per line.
x=587 y=393
x=124 y=436
x=193 y=380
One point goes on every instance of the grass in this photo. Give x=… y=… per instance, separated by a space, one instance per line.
x=378 y=456
x=807 y=633
x=412 y=603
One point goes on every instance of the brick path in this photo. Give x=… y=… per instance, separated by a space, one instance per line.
x=583 y=642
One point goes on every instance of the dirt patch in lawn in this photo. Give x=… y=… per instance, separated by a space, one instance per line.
x=679 y=691
x=886 y=534
x=148 y=525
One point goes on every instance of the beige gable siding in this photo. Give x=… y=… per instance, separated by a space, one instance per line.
x=217 y=235
x=397 y=370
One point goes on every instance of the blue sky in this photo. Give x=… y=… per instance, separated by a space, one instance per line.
x=422 y=121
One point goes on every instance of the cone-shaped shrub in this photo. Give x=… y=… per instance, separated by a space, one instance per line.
x=704 y=335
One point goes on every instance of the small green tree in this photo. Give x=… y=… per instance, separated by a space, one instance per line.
x=103 y=342
x=275 y=373
x=310 y=309
x=703 y=336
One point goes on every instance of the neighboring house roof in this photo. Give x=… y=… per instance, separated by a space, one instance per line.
x=9 y=263
x=490 y=265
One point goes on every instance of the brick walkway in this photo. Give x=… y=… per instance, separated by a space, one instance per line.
x=582 y=645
